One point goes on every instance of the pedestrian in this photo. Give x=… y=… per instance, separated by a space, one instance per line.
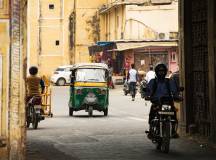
x=111 y=84
x=132 y=79
x=150 y=74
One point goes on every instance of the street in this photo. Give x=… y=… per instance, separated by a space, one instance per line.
x=120 y=136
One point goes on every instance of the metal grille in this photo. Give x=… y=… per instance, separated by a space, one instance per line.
x=200 y=66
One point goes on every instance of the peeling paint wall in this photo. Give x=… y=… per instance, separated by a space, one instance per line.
x=13 y=53
x=112 y=24
x=4 y=54
x=133 y=22
x=148 y=21
x=48 y=31
x=72 y=24
x=16 y=145
x=87 y=27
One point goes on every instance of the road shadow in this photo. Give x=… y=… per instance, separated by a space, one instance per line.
x=78 y=116
x=86 y=116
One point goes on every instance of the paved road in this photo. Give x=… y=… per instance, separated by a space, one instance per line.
x=120 y=136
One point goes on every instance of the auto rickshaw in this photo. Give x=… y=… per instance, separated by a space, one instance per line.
x=89 y=88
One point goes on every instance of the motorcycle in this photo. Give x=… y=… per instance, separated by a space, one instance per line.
x=34 y=112
x=143 y=85
x=164 y=125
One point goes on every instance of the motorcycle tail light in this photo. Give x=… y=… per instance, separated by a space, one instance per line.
x=79 y=91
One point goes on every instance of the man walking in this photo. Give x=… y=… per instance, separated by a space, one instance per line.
x=150 y=74
x=132 y=79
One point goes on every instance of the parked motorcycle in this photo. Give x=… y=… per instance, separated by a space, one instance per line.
x=143 y=85
x=164 y=125
x=34 y=112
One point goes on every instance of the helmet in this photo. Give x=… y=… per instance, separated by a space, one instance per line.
x=161 y=67
x=33 y=70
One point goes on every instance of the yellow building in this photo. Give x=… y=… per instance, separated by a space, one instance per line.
x=12 y=84
x=4 y=71
x=134 y=31
x=87 y=29
x=60 y=31
x=48 y=34
x=137 y=20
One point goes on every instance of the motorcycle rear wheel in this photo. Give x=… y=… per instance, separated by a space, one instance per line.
x=90 y=111
x=35 y=121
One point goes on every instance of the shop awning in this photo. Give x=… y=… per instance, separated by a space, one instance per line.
x=121 y=46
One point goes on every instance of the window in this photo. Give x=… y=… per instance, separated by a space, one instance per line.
x=57 y=43
x=90 y=75
x=51 y=6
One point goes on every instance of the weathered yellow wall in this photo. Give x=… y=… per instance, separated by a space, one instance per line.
x=138 y=22
x=4 y=9
x=4 y=52
x=32 y=24
x=85 y=10
x=112 y=24
x=145 y=22
x=45 y=28
x=54 y=25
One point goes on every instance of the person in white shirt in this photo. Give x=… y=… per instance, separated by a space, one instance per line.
x=150 y=74
x=132 y=79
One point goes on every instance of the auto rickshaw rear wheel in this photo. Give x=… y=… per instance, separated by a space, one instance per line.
x=90 y=111
x=106 y=112
x=70 y=111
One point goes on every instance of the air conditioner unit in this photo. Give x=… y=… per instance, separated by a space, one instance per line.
x=173 y=35
x=161 y=35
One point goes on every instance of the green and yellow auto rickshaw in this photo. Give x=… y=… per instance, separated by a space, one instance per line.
x=89 y=88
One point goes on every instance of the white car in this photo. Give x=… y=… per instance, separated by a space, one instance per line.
x=61 y=75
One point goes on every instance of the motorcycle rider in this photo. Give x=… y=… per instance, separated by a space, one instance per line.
x=159 y=87
x=35 y=84
x=132 y=79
